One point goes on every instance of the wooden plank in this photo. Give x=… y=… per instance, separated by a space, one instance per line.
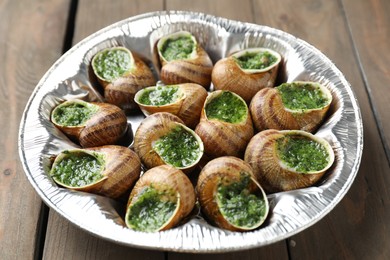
x=358 y=228
x=64 y=240
x=242 y=11
x=231 y=9
x=369 y=23
x=28 y=29
x=95 y=15
x=30 y=41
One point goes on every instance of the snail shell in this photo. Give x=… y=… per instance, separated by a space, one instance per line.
x=221 y=138
x=187 y=107
x=224 y=171
x=195 y=69
x=107 y=124
x=273 y=173
x=120 y=91
x=152 y=129
x=166 y=177
x=228 y=75
x=269 y=112
x=121 y=168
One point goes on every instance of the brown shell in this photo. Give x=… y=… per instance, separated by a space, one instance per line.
x=122 y=90
x=122 y=169
x=152 y=128
x=221 y=138
x=227 y=75
x=194 y=70
x=188 y=107
x=167 y=176
x=262 y=156
x=104 y=82
x=223 y=169
x=105 y=127
x=268 y=112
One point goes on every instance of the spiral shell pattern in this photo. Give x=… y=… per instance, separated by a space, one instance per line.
x=196 y=69
x=262 y=155
x=122 y=90
x=268 y=112
x=121 y=170
x=105 y=127
x=227 y=75
x=222 y=138
x=167 y=176
x=226 y=169
x=151 y=129
x=188 y=107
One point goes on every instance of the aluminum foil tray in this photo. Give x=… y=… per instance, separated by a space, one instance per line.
x=290 y=212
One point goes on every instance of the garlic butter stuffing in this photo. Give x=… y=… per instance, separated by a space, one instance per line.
x=184 y=123
x=297 y=105
x=183 y=60
x=160 y=199
x=108 y=170
x=230 y=196
x=90 y=124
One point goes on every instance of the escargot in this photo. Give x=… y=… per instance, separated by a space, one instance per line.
x=183 y=100
x=162 y=138
x=225 y=126
x=90 y=123
x=288 y=159
x=121 y=74
x=298 y=105
x=160 y=199
x=246 y=72
x=183 y=60
x=230 y=195
x=109 y=170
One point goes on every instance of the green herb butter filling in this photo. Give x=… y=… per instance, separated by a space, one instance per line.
x=302 y=154
x=78 y=169
x=238 y=205
x=296 y=96
x=151 y=211
x=110 y=64
x=159 y=96
x=227 y=107
x=178 y=148
x=178 y=49
x=256 y=60
x=73 y=113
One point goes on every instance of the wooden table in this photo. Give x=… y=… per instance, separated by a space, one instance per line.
x=354 y=34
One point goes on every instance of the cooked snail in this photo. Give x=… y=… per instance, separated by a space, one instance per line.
x=230 y=196
x=161 y=198
x=107 y=170
x=162 y=138
x=288 y=159
x=90 y=123
x=225 y=126
x=121 y=74
x=183 y=100
x=183 y=60
x=296 y=105
x=246 y=72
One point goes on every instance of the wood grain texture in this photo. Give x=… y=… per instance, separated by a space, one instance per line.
x=64 y=240
x=369 y=23
x=358 y=228
x=231 y=9
x=94 y=15
x=30 y=41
